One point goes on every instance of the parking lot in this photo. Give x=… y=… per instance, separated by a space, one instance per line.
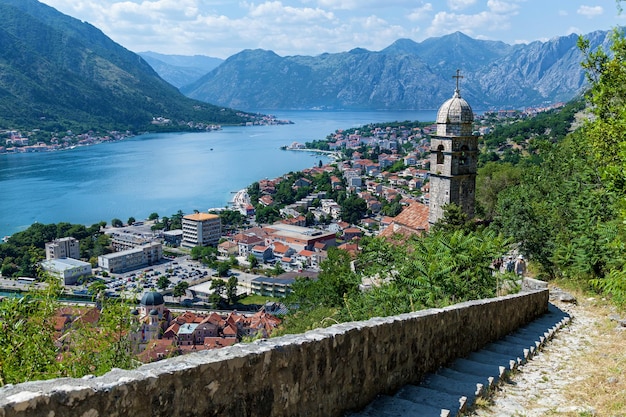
x=146 y=279
x=182 y=268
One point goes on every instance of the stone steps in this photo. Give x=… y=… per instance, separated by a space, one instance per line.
x=453 y=390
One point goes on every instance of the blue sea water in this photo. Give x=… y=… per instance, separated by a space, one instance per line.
x=163 y=173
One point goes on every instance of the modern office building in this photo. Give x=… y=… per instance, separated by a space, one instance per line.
x=201 y=229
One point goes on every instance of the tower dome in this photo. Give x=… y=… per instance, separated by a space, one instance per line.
x=152 y=298
x=455 y=110
x=455 y=116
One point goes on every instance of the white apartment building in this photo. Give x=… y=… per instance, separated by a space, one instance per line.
x=67 y=247
x=119 y=262
x=201 y=229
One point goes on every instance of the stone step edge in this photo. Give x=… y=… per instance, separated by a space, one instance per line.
x=488 y=391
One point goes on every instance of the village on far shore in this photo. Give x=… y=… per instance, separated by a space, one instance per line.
x=14 y=141
x=378 y=185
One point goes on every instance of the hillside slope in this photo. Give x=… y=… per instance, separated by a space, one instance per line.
x=58 y=73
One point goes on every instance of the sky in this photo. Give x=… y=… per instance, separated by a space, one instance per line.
x=221 y=28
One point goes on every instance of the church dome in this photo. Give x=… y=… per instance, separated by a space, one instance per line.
x=152 y=298
x=455 y=110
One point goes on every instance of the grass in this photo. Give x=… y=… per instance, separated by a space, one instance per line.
x=257 y=299
x=602 y=366
x=592 y=377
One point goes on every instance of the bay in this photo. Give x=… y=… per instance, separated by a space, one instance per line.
x=163 y=173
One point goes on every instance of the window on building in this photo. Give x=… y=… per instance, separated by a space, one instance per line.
x=440 y=154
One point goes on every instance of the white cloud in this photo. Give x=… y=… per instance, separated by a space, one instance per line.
x=421 y=12
x=275 y=11
x=572 y=29
x=460 y=4
x=470 y=24
x=361 y=4
x=590 y=11
x=502 y=7
x=308 y=27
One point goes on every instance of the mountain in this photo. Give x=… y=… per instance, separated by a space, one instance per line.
x=180 y=70
x=405 y=75
x=58 y=73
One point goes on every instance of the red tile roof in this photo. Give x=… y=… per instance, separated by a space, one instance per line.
x=412 y=220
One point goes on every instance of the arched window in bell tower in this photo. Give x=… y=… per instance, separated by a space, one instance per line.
x=463 y=157
x=440 y=154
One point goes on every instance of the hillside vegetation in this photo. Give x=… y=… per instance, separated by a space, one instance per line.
x=58 y=73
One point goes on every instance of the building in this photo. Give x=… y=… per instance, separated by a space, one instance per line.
x=67 y=247
x=412 y=220
x=121 y=241
x=119 y=262
x=67 y=269
x=272 y=287
x=279 y=286
x=173 y=237
x=299 y=238
x=201 y=229
x=453 y=158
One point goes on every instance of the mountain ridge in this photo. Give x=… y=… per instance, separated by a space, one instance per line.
x=180 y=70
x=405 y=75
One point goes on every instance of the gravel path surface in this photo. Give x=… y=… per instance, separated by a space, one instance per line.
x=543 y=386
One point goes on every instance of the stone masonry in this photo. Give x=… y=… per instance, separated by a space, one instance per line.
x=324 y=372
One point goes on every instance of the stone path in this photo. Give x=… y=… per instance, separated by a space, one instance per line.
x=538 y=388
x=453 y=390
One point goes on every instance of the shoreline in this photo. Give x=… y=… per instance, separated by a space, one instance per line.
x=84 y=139
x=336 y=155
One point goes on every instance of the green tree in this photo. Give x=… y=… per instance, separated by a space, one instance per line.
x=163 y=282
x=180 y=289
x=492 y=179
x=223 y=268
x=97 y=347
x=335 y=281
x=153 y=216
x=454 y=218
x=353 y=209
x=278 y=269
x=231 y=290
x=116 y=223
x=268 y=214
x=27 y=344
x=606 y=134
x=253 y=260
x=131 y=220
x=254 y=193
x=97 y=289
x=219 y=288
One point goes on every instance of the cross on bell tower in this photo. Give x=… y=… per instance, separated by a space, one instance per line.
x=453 y=157
x=457 y=76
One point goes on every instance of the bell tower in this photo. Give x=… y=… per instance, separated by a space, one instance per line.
x=453 y=157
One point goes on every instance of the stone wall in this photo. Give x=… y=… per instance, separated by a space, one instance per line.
x=323 y=372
